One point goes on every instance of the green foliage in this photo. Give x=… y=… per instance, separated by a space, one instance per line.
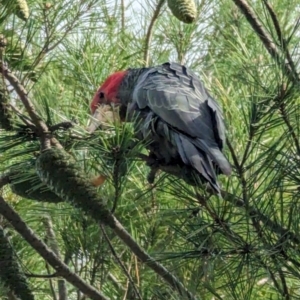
x=26 y=183
x=10 y=273
x=244 y=246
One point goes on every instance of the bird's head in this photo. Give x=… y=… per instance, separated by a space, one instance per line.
x=108 y=91
x=104 y=106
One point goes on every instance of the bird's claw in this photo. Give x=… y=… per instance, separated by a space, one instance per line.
x=154 y=164
x=151 y=175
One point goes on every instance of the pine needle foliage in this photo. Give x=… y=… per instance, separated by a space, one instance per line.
x=10 y=273
x=244 y=245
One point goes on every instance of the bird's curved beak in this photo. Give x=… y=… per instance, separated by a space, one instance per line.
x=103 y=116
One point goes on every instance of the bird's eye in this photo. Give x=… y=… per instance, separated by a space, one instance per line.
x=101 y=95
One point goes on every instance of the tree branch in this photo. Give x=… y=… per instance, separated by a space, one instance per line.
x=138 y=295
x=30 y=275
x=150 y=30
x=265 y=37
x=52 y=242
x=273 y=226
x=116 y=226
x=22 y=93
x=21 y=227
x=238 y=202
x=280 y=36
x=4 y=180
x=122 y=16
x=41 y=126
x=159 y=269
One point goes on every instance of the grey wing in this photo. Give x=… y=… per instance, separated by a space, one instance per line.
x=178 y=97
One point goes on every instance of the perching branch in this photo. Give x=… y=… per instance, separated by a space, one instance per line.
x=238 y=202
x=150 y=30
x=30 y=275
x=36 y=243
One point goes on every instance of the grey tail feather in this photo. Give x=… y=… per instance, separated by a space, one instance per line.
x=216 y=156
x=198 y=159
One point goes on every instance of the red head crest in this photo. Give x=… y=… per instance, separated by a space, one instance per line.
x=107 y=93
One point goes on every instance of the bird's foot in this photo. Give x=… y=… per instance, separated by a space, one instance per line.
x=154 y=163
x=61 y=126
x=151 y=175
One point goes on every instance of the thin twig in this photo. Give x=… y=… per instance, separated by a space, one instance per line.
x=4 y=180
x=150 y=30
x=173 y=170
x=53 y=245
x=263 y=218
x=279 y=230
x=159 y=269
x=36 y=243
x=120 y=262
x=284 y=114
x=258 y=27
x=35 y=118
x=51 y=285
x=30 y=275
x=50 y=36
x=122 y=16
x=285 y=289
x=115 y=282
x=24 y=118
